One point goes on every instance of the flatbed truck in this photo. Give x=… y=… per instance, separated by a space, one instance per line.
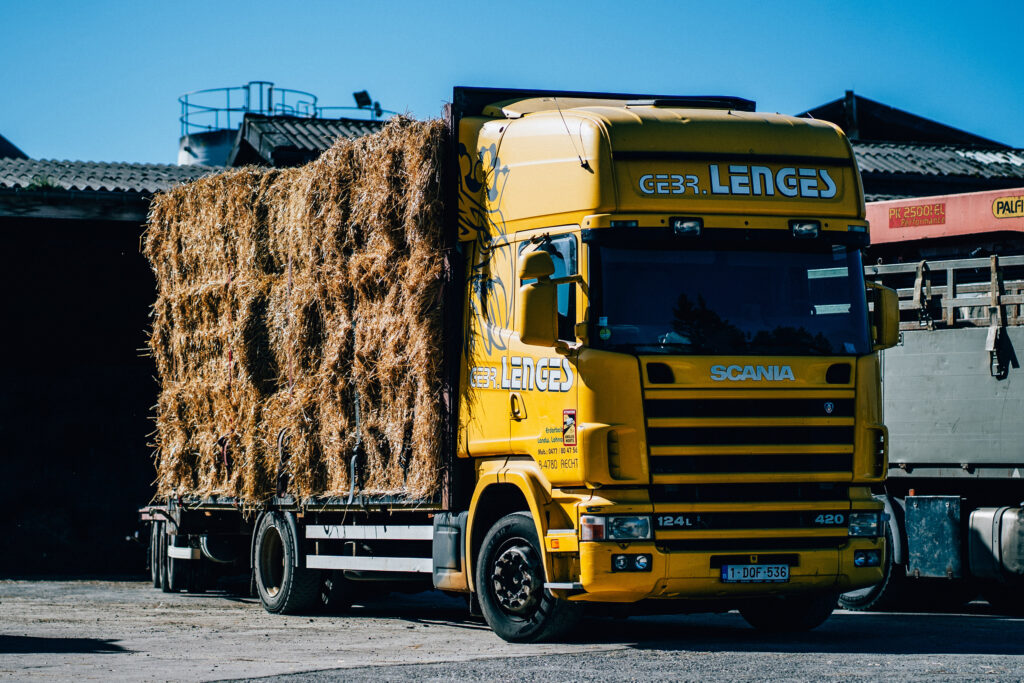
x=663 y=370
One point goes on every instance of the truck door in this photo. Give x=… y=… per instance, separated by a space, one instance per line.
x=484 y=406
x=542 y=383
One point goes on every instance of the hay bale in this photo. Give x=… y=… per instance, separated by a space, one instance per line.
x=287 y=297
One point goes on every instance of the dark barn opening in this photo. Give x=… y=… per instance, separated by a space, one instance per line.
x=78 y=384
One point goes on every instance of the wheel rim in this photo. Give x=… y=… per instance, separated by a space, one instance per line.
x=516 y=578
x=272 y=562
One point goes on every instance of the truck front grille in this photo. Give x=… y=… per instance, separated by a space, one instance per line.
x=748 y=407
x=701 y=434
x=749 y=462
x=749 y=493
x=750 y=473
x=735 y=435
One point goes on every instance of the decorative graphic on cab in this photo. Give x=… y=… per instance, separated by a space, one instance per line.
x=568 y=427
x=523 y=373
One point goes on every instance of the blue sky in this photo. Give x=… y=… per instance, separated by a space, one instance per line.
x=100 y=80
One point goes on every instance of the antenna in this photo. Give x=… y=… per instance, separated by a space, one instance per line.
x=583 y=163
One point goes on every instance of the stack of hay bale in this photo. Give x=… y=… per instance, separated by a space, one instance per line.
x=298 y=311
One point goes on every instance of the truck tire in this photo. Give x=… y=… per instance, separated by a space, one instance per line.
x=176 y=572
x=165 y=560
x=789 y=613
x=155 y=568
x=510 y=585
x=283 y=588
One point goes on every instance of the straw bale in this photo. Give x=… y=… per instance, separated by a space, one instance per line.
x=291 y=301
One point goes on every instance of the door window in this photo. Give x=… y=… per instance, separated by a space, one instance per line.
x=563 y=254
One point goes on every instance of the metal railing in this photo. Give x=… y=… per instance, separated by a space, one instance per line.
x=224 y=108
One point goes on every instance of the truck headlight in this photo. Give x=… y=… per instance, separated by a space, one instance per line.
x=615 y=528
x=865 y=524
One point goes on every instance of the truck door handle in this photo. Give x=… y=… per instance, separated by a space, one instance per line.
x=517 y=406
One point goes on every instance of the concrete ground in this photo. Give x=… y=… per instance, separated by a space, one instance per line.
x=126 y=630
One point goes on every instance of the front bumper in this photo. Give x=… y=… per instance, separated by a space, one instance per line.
x=694 y=575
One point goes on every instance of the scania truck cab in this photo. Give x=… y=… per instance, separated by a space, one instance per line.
x=669 y=361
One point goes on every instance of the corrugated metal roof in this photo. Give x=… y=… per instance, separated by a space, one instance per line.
x=290 y=140
x=309 y=134
x=939 y=160
x=33 y=174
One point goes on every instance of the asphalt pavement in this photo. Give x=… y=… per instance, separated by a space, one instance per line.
x=126 y=630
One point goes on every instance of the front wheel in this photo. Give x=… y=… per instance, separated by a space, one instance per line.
x=789 y=613
x=888 y=593
x=510 y=585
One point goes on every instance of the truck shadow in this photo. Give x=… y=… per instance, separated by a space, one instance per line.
x=975 y=631
x=877 y=634
x=35 y=645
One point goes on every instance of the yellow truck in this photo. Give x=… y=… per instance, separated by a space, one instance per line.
x=666 y=393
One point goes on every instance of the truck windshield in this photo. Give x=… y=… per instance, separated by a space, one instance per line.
x=730 y=301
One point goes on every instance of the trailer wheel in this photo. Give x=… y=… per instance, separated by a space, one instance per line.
x=789 y=613
x=155 y=567
x=510 y=585
x=336 y=592
x=165 y=561
x=283 y=587
x=176 y=572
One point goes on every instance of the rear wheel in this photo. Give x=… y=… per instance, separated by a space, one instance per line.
x=283 y=587
x=789 y=613
x=176 y=571
x=510 y=585
x=155 y=568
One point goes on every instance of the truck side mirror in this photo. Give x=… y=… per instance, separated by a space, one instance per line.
x=885 y=319
x=536 y=305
